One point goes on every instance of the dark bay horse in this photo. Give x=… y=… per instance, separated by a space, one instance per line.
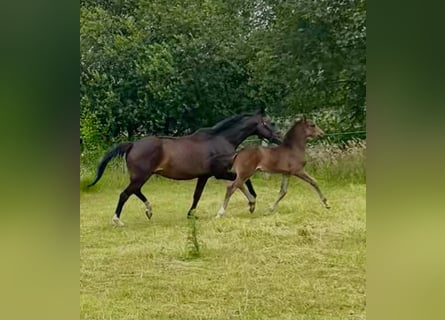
x=207 y=152
x=287 y=159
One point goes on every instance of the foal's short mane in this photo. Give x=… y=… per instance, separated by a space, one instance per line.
x=289 y=136
x=225 y=124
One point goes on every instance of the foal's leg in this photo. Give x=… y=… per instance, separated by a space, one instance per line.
x=200 y=184
x=245 y=189
x=229 y=191
x=304 y=176
x=283 y=191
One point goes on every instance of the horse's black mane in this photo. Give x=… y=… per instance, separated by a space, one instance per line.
x=217 y=128
x=224 y=124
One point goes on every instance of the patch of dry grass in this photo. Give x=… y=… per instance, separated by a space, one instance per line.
x=340 y=163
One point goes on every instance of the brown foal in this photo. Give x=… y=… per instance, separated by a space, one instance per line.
x=287 y=159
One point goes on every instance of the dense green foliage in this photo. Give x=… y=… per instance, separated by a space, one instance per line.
x=169 y=67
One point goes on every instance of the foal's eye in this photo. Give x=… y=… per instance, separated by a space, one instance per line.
x=313 y=125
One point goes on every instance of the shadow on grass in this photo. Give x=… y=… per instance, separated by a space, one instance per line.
x=84 y=182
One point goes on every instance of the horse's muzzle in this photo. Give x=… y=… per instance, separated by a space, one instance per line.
x=276 y=140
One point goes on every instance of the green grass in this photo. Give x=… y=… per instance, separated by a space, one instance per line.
x=302 y=262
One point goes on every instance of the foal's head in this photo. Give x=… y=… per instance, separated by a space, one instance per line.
x=311 y=130
x=303 y=129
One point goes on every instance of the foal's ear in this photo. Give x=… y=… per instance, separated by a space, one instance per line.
x=303 y=118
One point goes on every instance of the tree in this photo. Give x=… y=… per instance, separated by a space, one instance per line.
x=170 y=67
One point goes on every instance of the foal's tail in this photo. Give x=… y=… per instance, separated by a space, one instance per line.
x=119 y=150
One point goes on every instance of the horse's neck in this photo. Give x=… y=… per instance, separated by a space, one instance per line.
x=237 y=135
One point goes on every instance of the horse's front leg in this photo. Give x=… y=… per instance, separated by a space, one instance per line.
x=200 y=184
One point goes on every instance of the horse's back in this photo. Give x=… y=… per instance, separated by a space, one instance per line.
x=144 y=154
x=183 y=158
x=147 y=144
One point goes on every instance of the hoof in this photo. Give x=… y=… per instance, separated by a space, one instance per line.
x=117 y=222
x=220 y=212
x=325 y=202
x=149 y=214
x=273 y=207
x=251 y=207
x=191 y=214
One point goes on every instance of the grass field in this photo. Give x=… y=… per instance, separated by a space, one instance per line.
x=302 y=262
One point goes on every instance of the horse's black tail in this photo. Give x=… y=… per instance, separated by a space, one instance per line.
x=119 y=150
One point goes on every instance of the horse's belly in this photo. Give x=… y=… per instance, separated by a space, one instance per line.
x=181 y=161
x=175 y=176
x=180 y=172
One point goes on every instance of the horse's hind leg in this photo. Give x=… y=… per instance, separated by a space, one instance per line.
x=123 y=197
x=250 y=197
x=283 y=191
x=148 y=210
x=133 y=188
x=304 y=176
x=249 y=186
x=251 y=191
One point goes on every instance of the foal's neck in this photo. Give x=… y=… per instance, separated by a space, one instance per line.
x=297 y=141
x=299 y=144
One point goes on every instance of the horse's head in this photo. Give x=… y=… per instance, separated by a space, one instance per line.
x=311 y=130
x=265 y=129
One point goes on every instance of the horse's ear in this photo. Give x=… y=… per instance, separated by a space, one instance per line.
x=262 y=111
